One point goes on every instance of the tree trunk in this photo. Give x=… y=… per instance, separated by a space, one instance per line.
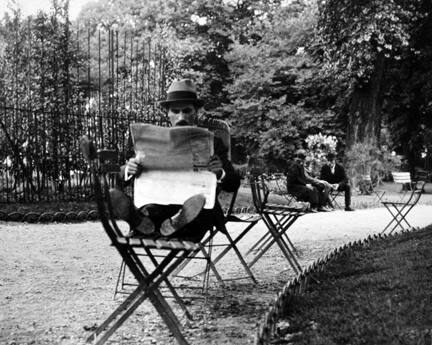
x=364 y=117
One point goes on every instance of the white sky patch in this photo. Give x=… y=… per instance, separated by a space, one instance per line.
x=31 y=7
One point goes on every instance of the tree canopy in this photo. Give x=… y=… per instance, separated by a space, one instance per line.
x=279 y=71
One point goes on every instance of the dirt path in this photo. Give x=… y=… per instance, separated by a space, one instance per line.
x=58 y=280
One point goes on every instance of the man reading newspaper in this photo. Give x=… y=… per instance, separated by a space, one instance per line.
x=189 y=220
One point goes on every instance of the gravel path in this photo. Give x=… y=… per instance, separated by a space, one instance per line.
x=58 y=281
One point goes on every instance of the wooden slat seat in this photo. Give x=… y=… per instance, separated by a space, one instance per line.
x=158 y=243
x=401 y=177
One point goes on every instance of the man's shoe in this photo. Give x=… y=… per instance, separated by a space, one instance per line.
x=300 y=206
x=189 y=211
x=323 y=209
x=349 y=208
x=313 y=210
x=124 y=209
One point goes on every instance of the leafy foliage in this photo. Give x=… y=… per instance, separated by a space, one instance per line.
x=353 y=34
x=268 y=95
x=318 y=146
x=358 y=41
x=367 y=159
x=36 y=66
x=408 y=109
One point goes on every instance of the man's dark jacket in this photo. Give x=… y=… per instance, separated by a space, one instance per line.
x=339 y=175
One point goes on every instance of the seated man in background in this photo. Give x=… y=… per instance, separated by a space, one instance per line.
x=306 y=188
x=189 y=221
x=334 y=173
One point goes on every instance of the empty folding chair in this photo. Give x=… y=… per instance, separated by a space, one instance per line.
x=400 y=209
x=278 y=218
x=370 y=188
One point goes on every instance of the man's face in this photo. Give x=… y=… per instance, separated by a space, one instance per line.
x=182 y=114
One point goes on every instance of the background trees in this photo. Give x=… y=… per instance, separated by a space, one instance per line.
x=375 y=47
x=281 y=70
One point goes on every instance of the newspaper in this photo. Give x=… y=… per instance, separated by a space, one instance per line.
x=175 y=164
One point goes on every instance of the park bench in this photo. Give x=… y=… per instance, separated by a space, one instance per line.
x=411 y=192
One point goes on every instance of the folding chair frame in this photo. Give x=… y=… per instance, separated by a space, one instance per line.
x=230 y=217
x=400 y=209
x=333 y=198
x=148 y=280
x=221 y=129
x=278 y=219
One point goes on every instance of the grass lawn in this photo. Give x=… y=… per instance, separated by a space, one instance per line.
x=377 y=294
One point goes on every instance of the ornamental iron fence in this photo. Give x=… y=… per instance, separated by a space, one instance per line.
x=95 y=84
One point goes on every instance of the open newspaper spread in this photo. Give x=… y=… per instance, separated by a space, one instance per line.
x=175 y=164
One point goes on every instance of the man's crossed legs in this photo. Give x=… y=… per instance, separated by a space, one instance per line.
x=188 y=221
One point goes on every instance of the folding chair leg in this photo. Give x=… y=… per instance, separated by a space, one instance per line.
x=171 y=288
x=276 y=234
x=282 y=225
x=192 y=255
x=143 y=291
x=234 y=242
x=287 y=251
x=398 y=217
x=284 y=251
x=240 y=257
x=261 y=243
x=264 y=240
x=120 y=279
x=126 y=309
x=212 y=266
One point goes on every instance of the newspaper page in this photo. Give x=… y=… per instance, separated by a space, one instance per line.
x=175 y=164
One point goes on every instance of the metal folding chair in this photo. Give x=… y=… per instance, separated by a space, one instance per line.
x=149 y=274
x=278 y=219
x=367 y=180
x=400 y=209
x=277 y=183
x=206 y=246
x=333 y=195
x=404 y=179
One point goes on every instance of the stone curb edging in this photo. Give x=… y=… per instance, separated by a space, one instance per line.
x=71 y=216
x=49 y=217
x=298 y=285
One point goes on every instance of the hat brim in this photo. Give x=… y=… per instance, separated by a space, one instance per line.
x=197 y=102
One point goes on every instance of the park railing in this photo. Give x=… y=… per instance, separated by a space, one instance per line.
x=93 y=82
x=43 y=161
